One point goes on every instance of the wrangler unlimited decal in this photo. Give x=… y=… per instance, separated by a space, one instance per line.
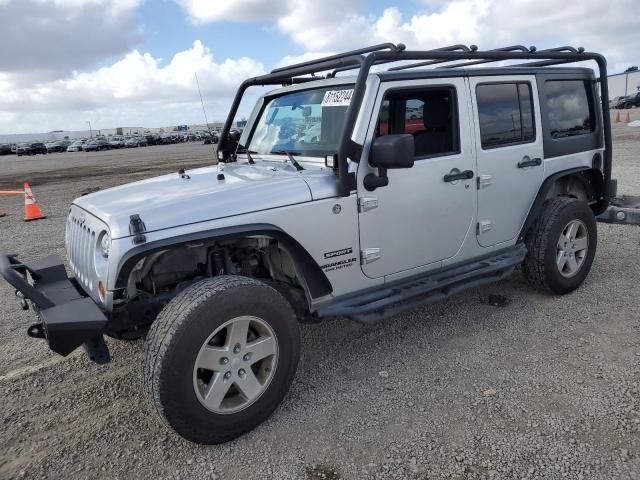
x=329 y=267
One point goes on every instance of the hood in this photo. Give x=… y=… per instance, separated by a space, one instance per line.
x=171 y=200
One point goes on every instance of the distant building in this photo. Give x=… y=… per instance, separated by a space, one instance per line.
x=121 y=131
x=618 y=81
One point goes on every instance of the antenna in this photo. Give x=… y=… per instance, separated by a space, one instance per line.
x=204 y=111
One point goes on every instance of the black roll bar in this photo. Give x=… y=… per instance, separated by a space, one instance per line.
x=387 y=53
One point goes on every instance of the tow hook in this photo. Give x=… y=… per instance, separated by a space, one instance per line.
x=23 y=301
x=36 y=331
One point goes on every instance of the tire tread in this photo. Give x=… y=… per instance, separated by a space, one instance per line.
x=168 y=326
x=535 y=266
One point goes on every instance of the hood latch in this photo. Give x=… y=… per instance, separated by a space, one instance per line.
x=137 y=228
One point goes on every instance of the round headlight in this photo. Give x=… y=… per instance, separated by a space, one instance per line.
x=105 y=244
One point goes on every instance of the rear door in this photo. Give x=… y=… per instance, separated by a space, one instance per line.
x=509 y=154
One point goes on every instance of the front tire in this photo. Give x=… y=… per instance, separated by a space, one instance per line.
x=561 y=246
x=220 y=358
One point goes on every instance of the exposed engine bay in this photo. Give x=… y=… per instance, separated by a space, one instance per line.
x=157 y=278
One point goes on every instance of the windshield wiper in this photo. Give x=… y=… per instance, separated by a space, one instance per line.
x=293 y=161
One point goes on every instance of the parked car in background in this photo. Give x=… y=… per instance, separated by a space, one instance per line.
x=152 y=139
x=628 y=101
x=166 y=139
x=210 y=137
x=32 y=148
x=96 y=145
x=5 y=149
x=116 y=142
x=136 y=142
x=76 y=146
x=14 y=147
x=58 y=146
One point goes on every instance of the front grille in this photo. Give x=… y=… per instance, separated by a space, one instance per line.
x=81 y=236
x=81 y=241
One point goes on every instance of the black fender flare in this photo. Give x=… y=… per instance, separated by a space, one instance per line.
x=591 y=178
x=311 y=275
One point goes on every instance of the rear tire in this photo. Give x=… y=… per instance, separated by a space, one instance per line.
x=203 y=372
x=561 y=246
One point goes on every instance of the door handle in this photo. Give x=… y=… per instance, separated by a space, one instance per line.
x=529 y=162
x=456 y=174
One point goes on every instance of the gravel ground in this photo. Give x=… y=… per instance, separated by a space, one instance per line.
x=531 y=386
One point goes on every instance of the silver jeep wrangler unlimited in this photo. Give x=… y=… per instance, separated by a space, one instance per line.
x=356 y=196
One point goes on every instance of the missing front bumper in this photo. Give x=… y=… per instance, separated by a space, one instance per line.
x=68 y=319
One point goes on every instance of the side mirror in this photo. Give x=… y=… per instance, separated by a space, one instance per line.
x=393 y=151
x=389 y=151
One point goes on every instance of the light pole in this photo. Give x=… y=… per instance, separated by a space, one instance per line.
x=90 y=130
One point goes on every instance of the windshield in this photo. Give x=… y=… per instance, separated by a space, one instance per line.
x=307 y=122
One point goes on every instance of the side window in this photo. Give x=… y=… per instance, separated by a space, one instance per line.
x=429 y=114
x=568 y=108
x=505 y=112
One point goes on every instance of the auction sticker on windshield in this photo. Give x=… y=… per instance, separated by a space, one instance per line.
x=337 y=98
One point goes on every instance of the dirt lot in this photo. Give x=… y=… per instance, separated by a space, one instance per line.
x=538 y=387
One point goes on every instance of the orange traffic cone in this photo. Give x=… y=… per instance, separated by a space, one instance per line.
x=618 y=117
x=628 y=118
x=31 y=209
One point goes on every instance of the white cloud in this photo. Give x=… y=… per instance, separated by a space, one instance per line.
x=305 y=57
x=50 y=49
x=487 y=23
x=335 y=25
x=48 y=38
x=136 y=90
x=204 y=11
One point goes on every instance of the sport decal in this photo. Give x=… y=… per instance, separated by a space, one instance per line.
x=337 y=253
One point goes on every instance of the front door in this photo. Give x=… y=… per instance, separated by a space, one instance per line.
x=420 y=218
x=510 y=154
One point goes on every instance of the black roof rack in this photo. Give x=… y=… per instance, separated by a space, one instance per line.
x=364 y=59
x=513 y=48
x=452 y=48
x=374 y=48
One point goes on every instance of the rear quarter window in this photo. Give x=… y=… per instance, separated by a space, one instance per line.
x=568 y=106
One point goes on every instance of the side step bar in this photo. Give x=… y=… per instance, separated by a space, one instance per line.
x=391 y=299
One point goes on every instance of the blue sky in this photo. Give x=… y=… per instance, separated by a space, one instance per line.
x=167 y=30
x=132 y=62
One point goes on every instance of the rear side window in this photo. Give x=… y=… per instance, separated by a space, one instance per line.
x=568 y=108
x=505 y=111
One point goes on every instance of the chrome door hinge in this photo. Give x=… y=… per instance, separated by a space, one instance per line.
x=483 y=227
x=369 y=255
x=367 y=203
x=484 y=181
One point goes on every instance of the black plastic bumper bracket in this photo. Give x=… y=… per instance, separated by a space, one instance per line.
x=68 y=319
